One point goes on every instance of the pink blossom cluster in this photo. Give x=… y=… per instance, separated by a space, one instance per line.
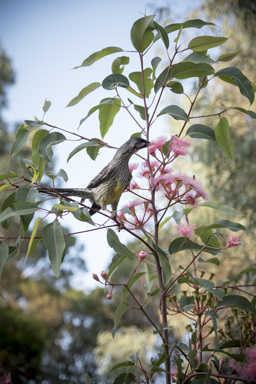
x=139 y=216
x=176 y=148
x=247 y=369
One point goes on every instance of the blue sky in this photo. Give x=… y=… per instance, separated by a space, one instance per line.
x=45 y=40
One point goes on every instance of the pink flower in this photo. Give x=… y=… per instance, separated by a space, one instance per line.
x=6 y=379
x=132 y=167
x=133 y=186
x=185 y=229
x=234 y=240
x=157 y=144
x=179 y=146
x=248 y=368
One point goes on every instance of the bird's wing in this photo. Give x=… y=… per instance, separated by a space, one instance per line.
x=104 y=175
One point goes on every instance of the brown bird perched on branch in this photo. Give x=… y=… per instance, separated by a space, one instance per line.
x=107 y=187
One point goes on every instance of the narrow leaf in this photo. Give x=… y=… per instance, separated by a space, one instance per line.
x=120 y=248
x=237 y=301
x=45 y=145
x=165 y=265
x=227 y=56
x=187 y=69
x=119 y=63
x=4 y=251
x=223 y=137
x=219 y=206
x=176 y=112
x=33 y=234
x=239 y=79
x=120 y=311
x=131 y=282
x=202 y=43
x=20 y=139
x=136 y=77
x=249 y=113
x=80 y=148
x=127 y=364
x=107 y=113
x=235 y=227
x=84 y=92
x=55 y=244
x=199 y=57
x=180 y=244
x=200 y=131
x=115 y=80
x=47 y=105
x=162 y=33
x=116 y=261
x=98 y=55
x=142 y=33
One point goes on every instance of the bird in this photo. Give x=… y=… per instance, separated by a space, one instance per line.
x=107 y=187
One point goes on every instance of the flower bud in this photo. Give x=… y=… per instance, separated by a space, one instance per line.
x=95 y=277
x=251 y=316
x=211 y=276
x=201 y=274
x=234 y=311
x=227 y=326
x=202 y=298
x=109 y=296
x=208 y=297
x=221 y=362
x=142 y=255
x=210 y=330
x=183 y=293
x=195 y=294
x=225 y=290
x=229 y=334
x=104 y=275
x=189 y=328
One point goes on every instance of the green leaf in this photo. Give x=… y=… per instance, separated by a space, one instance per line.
x=154 y=63
x=136 y=77
x=26 y=193
x=214 y=322
x=34 y=123
x=93 y=109
x=115 y=80
x=193 y=23
x=45 y=145
x=187 y=69
x=38 y=161
x=98 y=55
x=176 y=112
x=154 y=292
x=107 y=113
x=9 y=201
x=93 y=151
x=20 y=139
x=237 y=277
x=235 y=227
x=142 y=33
x=223 y=137
x=120 y=248
x=141 y=111
x=84 y=92
x=177 y=216
x=180 y=244
x=4 y=251
x=118 y=64
x=216 y=205
x=134 y=358
x=249 y=113
x=81 y=147
x=36 y=241
x=239 y=79
x=206 y=235
x=33 y=234
x=199 y=57
x=55 y=244
x=7 y=176
x=162 y=33
x=200 y=131
x=237 y=301
x=130 y=284
x=202 y=43
x=47 y=105
x=164 y=222
x=175 y=87
x=61 y=174
x=24 y=209
x=116 y=261
x=186 y=301
x=120 y=311
x=165 y=264
x=227 y=56
x=162 y=79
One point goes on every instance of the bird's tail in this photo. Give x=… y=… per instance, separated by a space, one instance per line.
x=79 y=192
